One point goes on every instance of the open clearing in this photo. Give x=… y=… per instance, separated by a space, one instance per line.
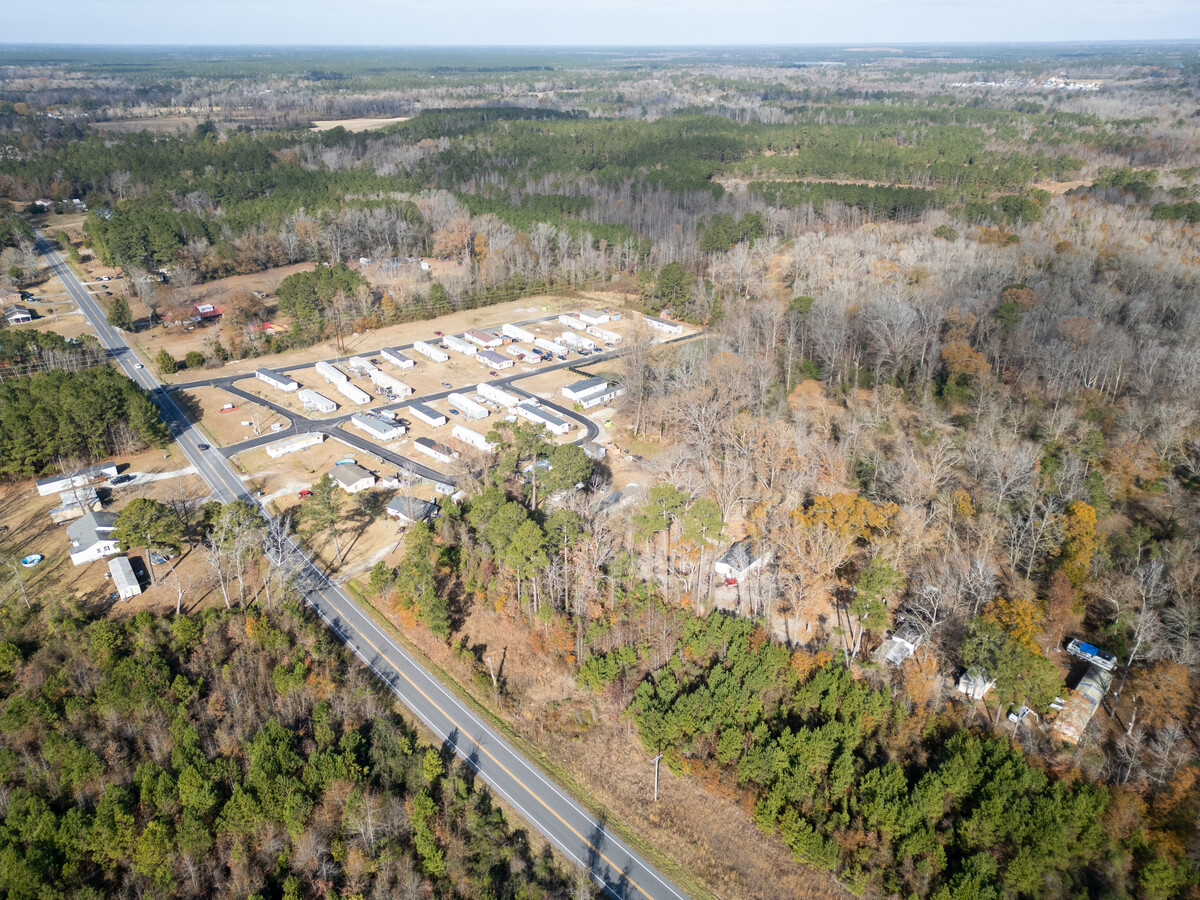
x=356 y=124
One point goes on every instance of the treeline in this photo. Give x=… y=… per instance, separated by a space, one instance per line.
x=879 y=201
x=558 y=210
x=31 y=345
x=92 y=413
x=840 y=771
x=229 y=755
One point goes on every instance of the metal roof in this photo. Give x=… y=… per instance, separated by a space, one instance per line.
x=122 y=574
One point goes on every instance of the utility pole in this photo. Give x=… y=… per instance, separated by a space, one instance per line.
x=656 y=761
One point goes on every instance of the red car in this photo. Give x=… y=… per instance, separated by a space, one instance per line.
x=304 y=495
x=494 y=374
x=439 y=334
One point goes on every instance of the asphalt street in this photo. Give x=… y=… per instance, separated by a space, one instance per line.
x=573 y=830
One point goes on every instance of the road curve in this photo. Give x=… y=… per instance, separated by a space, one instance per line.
x=573 y=830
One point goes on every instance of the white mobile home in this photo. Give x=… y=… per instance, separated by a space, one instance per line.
x=427 y=414
x=434 y=353
x=609 y=337
x=396 y=358
x=433 y=449
x=458 y=345
x=467 y=406
x=284 y=383
x=58 y=483
x=539 y=416
x=331 y=373
x=663 y=325
x=352 y=478
x=398 y=388
x=361 y=365
x=312 y=401
x=551 y=346
x=572 y=322
x=593 y=318
x=517 y=333
x=123 y=578
x=292 y=444
x=607 y=396
x=471 y=438
x=581 y=390
x=483 y=338
x=494 y=359
x=378 y=428
x=91 y=537
x=522 y=354
x=497 y=395
x=352 y=393
x=578 y=341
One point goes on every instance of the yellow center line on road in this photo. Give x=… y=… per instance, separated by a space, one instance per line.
x=503 y=767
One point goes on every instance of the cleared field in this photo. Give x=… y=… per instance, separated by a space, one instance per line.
x=356 y=124
x=225 y=428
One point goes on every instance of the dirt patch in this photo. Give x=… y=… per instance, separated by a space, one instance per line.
x=1060 y=187
x=205 y=404
x=356 y=124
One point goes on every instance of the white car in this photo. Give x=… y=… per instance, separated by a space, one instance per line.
x=138 y=366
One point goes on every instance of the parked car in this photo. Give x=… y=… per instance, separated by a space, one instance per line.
x=120 y=479
x=494 y=374
x=304 y=495
x=447 y=384
x=202 y=446
x=454 y=412
x=439 y=334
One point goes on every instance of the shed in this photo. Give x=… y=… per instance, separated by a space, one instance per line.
x=124 y=580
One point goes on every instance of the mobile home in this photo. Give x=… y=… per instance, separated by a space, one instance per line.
x=377 y=427
x=497 y=395
x=472 y=438
x=539 y=416
x=517 y=333
x=283 y=382
x=458 y=345
x=396 y=358
x=433 y=449
x=292 y=444
x=314 y=402
x=352 y=393
x=494 y=359
x=467 y=406
x=551 y=346
x=331 y=373
x=433 y=352
x=427 y=414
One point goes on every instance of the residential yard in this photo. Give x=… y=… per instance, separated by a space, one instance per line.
x=203 y=405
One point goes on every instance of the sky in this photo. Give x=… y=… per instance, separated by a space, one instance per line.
x=593 y=22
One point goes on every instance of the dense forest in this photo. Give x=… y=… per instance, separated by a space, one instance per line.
x=230 y=755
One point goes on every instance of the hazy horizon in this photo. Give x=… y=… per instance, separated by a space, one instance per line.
x=590 y=23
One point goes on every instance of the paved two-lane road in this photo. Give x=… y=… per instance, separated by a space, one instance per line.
x=565 y=823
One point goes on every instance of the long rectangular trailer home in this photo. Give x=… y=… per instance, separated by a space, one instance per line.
x=606 y=396
x=437 y=354
x=56 y=483
x=499 y=396
x=578 y=341
x=551 y=346
x=467 y=406
x=663 y=325
x=361 y=365
x=352 y=393
x=284 y=383
x=573 y=321
x=529 y=356
x=483 y=338
x=377 y=427
x=433 y=449
x=471 y=438
x=458 y=345
x=609 y=337
x=314 y=402
x=580 y=390
x=517 y=333
x=293 y=444
x=399 y=389
x=427 y=414
x=396 y=357
x=494 y=359
x=331 y=373
x=539 y=416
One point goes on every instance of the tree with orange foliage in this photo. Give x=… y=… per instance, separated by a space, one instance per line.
x=848 y=515
x=1020 y=617
x=1079 y=542
x=961 y=359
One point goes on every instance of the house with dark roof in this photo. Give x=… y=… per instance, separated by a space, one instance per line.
x=410 y=510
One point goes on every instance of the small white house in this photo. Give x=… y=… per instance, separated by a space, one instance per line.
x=499 y=396
x=494 y=360
x=352 y=393
x=437 y=354
x=427 y=414
x=435 y=450
x=285 y=383
x=901 y=645
x=123 y=579
x=295 y=443
x=396 y=357
x=517 y=333
x=458 y=345
x=581 y=390
x=377 y=427
x=739 y=561
x=352 y=478
x=331 y=373
x=974 y=684
x=91 y=537
x=18 y=315
x=663 y=325
x=467 y=406
x=539 y=416
x=472 y=438
x=314 y=402
x=411 y=510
